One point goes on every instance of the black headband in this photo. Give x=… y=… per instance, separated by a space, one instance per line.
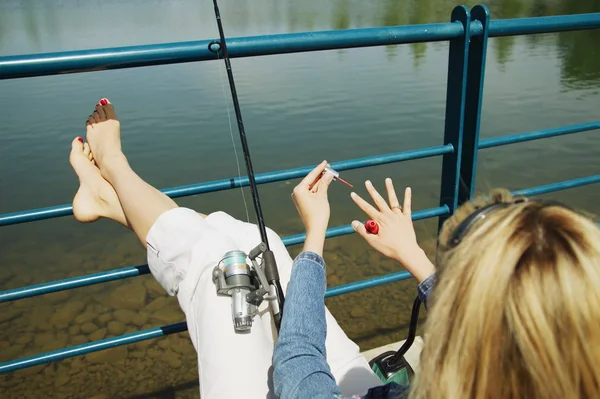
x=461 y=230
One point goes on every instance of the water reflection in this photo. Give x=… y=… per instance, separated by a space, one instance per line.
x=580 y=51
x=38 y=19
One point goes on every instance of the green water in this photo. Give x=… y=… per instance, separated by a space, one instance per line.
x=298 y=109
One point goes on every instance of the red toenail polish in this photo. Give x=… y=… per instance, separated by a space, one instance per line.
x=80 y=139
x=103 y=101
x=97 y=105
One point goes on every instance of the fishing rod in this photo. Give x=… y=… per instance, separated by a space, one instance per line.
x=270 y=266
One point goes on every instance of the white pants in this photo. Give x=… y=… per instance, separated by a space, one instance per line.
x=183 y=249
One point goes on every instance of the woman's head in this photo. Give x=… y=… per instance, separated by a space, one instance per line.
x=516 y=310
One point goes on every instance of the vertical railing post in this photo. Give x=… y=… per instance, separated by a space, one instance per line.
x=474 y=97
x=455 y=103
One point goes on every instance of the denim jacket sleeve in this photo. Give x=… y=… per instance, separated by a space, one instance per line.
x=299 y=359
x=425 y=288
x=300 y=368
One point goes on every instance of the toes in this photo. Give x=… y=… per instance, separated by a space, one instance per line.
x=90 y=121
x=86 y=150
x=109 y=109
x=101 y=113
x=77 y=145
x=110 y=112
x=96 y=117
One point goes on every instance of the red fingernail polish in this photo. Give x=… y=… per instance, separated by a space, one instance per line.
x=80 y=139
x=372 y=227
x=103 y=101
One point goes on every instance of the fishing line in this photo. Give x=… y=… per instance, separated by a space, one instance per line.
x=237 y=161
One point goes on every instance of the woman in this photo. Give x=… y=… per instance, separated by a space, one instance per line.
x=515 y=312
x=183 y=247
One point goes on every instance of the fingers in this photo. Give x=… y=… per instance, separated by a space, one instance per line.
x=365 y=206
x=407 y=202
x=394 y=203
x=361 y=230
x=323 y=184
x=377 y=198
x=312 y=176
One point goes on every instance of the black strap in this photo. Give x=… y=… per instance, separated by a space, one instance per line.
x=391 y=362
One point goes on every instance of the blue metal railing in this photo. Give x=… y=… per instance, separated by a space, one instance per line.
x=467 y=33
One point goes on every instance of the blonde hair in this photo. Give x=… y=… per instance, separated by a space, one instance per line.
x=516 y=308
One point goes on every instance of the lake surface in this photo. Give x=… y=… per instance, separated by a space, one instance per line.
x=298 y=110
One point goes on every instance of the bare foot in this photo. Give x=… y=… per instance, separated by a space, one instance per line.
x=104 y=136
x=95 y=198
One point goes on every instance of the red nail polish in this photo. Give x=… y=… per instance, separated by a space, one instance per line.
x=80 y=139
x=103 y=101
x=97 y=105
x=372 y=227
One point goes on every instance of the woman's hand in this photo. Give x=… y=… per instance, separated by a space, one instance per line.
x=396 y=238
x=310 y=198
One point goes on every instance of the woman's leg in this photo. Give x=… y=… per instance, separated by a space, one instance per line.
x=95 y=198
x=182 y=250
x=141 y=203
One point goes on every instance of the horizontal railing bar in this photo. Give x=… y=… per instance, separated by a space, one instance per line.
x=71 y=283
x=132 y=271
x=171 y=329
x=90 y=347
x=225 y=184
x=548 y=188
x=30 y=65
x=236 y=182
x=535 y=25
x=369 y=283
x=157 y=332
x=540 y=134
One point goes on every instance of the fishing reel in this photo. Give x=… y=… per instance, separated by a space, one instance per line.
x=246 y=284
